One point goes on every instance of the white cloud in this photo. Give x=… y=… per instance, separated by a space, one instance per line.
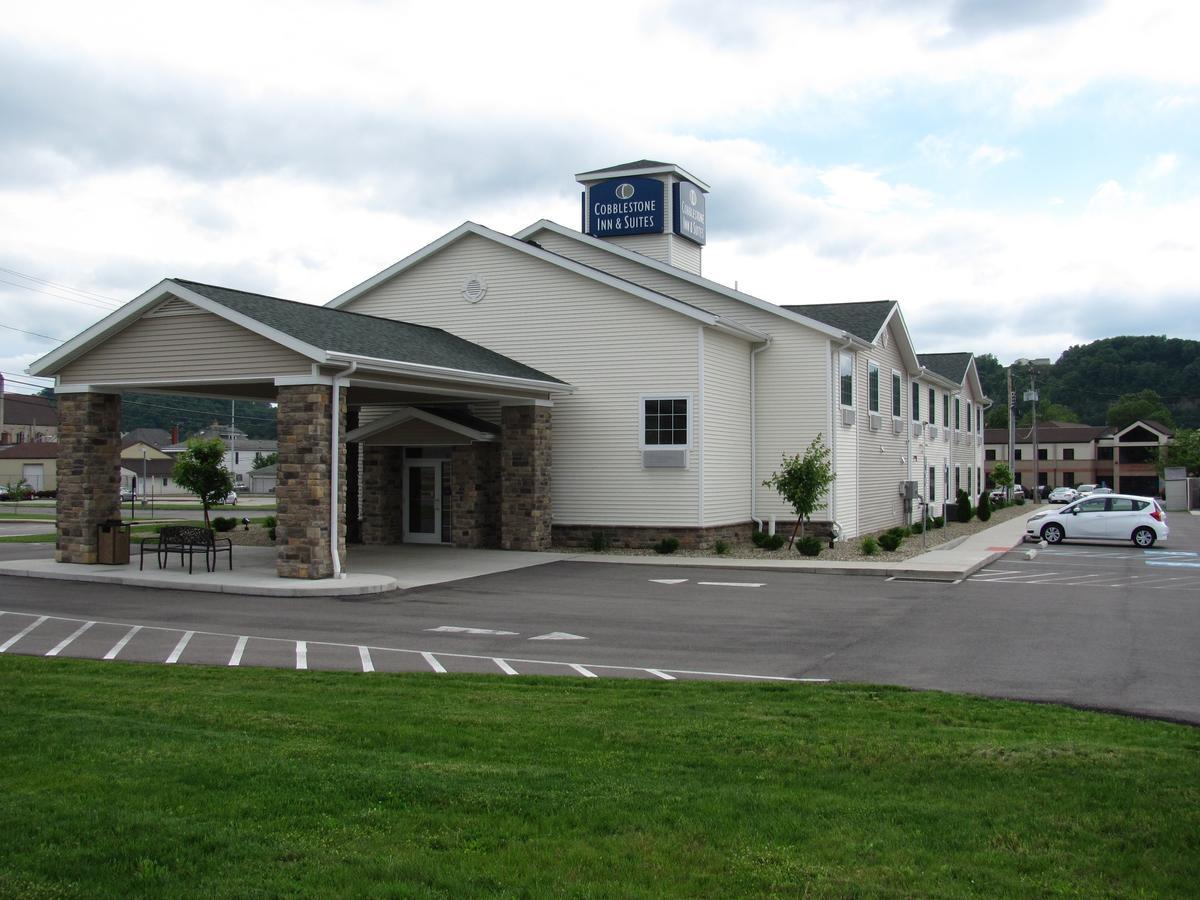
x=986 y=155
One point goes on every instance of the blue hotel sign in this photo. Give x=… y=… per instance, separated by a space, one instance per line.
x=625 y=206
x=688 y=211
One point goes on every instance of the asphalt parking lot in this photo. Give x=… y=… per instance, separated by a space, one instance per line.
x=1095 y=625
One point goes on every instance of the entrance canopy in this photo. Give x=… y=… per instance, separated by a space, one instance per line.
x=184 y=337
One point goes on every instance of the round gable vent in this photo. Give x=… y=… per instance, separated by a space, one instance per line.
x=474 y=288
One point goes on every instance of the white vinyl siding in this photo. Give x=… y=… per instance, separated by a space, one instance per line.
x=845 y=447
x=726 y=429
x=171 y=346
x=612 y=347
x=883 y=454
x=793 y=376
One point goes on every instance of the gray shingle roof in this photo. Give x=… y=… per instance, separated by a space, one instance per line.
x=1050 y=434
x=949 y=365
x=862 y=320
x=636 y=164
x=360 y=335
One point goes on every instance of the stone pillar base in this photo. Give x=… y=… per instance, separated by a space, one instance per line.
x=525 y=511
x=383 y=495
x=89 y=472
x=475 y=491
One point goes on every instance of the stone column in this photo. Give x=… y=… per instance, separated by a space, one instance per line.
x=383 y=495
x=475 y=492
x=353 y=487
x=525 y=477
x=303 y=481
x=89 y=472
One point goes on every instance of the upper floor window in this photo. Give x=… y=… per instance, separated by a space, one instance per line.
x=931 y=406
x=969 y=417
x=916 y=402
x=896 y=388
x=873 y=387
x=945 y=410
x=846 y=373
x=665 y=421
x=957 y=407
x=1068 y=453
x=989 y=454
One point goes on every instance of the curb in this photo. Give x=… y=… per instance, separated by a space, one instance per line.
x=380 y=584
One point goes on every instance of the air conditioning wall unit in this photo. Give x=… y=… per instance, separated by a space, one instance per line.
x=664 y=459
x=932 y=432
x=847 y=417
x=875 y=421
x=897 y=426
x=916 y=429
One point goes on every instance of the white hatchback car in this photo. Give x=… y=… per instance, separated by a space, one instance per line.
x=1108 y=517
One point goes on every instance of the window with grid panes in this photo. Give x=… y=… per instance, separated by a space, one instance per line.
x=665 y=422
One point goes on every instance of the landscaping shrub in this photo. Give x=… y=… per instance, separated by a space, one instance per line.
x=890 y=540
x=721 y=547
x=600 y=541
x=809 y=545
x=962 y=507
x=757 y=537
x=667 y=545
x=984 y=510
x=939 y=521
x=917 y=528
x=224 y=523
x=773 y=541
x=869 y=546
x=1019 y=501
x=270 y=522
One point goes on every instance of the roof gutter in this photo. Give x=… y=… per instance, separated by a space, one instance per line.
x=460 y=375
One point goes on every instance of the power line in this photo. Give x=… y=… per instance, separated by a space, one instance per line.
x=81 y=302
x=65 y=287
x=34 y=333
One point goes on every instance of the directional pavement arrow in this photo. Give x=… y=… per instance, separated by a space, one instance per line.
x=458 y=629
x=559 y=636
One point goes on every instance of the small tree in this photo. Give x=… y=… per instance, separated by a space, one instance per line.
x=962 y=506
x=201 y=470
x=261 y=461
x=803 y=480
x=984 y=510
x=1002 y=476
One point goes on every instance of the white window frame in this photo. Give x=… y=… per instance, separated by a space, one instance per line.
x=915 y=408
x=665 y=395
x=873 y=366
x=897 y=395
x=843 y=355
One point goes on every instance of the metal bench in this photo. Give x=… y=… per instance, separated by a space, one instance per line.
x=187 y=540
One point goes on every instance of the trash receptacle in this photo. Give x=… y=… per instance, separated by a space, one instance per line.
x=114 y=543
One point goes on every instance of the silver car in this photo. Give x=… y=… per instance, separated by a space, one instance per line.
x=1063 y=495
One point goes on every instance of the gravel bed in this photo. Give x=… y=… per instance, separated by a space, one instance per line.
x=850 y=550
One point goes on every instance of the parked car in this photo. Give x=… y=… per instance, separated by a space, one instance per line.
x=1084 y=489
x=1101 y=490
x=1063 y=495
x=126 y=495
x=1109 y=517
x=997 y=494
x=230 y=498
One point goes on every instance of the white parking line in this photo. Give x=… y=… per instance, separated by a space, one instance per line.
x=1017 y=578
x=238 y=649
x=661 y=674
x=365 y=656
x=732 y=583
x=120 y=645
x=301 y=654
x=588 y=673
x=16 y=637
x=429 y=657
x=505 y=667
x=183 y=642
x=66 y=642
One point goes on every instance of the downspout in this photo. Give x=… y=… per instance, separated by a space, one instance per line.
x=334 y=466
x=700 y=426
x=834 y=405
x=758 y=523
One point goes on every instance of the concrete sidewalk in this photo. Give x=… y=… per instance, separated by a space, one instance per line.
x=948 y=562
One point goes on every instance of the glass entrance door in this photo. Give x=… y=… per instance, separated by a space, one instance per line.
x=423 y=501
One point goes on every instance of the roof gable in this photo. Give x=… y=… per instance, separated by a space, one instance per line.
x=863 y=319
x=1148 y=428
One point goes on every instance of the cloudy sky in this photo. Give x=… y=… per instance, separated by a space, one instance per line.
x=1021 y=175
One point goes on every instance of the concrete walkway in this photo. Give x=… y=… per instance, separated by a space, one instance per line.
x=374 y=570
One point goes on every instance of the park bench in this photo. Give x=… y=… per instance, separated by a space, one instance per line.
x=187 y=540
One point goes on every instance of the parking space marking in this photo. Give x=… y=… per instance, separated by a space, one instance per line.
x=433 y=663
x=238 y=649
x=301 y=654
x=16 y=637
x=364 y=656
x=508 y=665
x=178 y=651
x=66 y=642
x=732 y=583
x=120 y=645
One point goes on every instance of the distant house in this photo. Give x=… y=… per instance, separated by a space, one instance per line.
x=34 y=464
x=1069 y=454
x=239 y=449
x=26 y=419
x=262 y=480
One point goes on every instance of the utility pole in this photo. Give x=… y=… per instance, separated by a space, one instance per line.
x=233 y=437
x=1033 y=395
x=1012 y=434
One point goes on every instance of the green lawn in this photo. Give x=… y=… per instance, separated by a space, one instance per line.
x=126 y=780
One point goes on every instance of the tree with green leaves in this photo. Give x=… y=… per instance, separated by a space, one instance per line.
x=1184 y=450
x=1048 y=412
x=201 y=469
x=261 y=461
x=803 y=481
x=1143 y=405
x=1002 y=476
